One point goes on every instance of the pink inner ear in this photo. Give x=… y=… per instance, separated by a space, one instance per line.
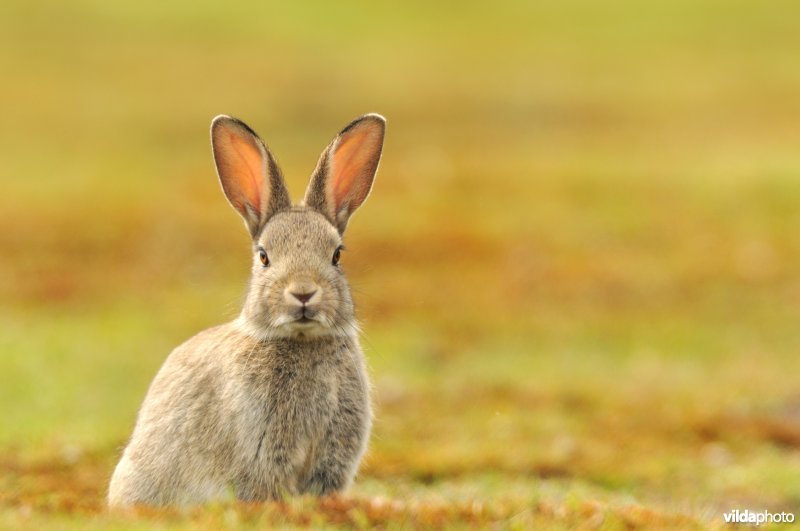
x=245 y=167
x=353 y=165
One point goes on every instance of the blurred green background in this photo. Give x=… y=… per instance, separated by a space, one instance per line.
x=577 y=273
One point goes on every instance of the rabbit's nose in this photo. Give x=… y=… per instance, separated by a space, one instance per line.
x=303 y=292
x=303 y=297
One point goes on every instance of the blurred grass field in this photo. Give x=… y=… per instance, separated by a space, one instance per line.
x=578 y=273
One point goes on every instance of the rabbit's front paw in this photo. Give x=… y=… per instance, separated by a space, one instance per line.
x=324 y=482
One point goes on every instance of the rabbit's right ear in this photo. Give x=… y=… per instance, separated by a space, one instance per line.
x=250 y=178
x=345 y=171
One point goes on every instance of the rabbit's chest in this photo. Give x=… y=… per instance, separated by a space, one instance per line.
x=291 y=403
x=301 y=400
x=286 y=421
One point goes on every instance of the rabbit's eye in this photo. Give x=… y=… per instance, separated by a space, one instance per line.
x=336 y=255
x=262 y=254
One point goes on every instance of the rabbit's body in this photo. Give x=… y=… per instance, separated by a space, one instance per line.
x=248 y=415
x=275 y=402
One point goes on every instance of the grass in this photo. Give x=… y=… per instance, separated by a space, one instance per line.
x=578 y=272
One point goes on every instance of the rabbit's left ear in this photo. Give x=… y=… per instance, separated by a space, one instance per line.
x=250 y=178
x=345 y=171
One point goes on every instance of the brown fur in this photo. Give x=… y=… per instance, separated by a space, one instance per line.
x=275 y=402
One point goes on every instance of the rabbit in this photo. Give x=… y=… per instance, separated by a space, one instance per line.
x=276 y=402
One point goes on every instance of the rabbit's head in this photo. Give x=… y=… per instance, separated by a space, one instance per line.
x=297 y=287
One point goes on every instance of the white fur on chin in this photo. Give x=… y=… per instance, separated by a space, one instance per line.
x=287 y=327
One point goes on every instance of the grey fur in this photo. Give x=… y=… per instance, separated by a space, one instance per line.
x=263 y=406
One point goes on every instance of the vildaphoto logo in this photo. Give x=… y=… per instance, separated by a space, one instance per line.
x=763 y=517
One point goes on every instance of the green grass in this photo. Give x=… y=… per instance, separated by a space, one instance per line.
x=577 y=274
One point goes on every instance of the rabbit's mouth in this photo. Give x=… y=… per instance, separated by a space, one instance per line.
x=304 y=317
x=294 y=323
x=309 y=319
x=303 y=324
x=306 y=314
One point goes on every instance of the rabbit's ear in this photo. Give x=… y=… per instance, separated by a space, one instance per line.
x=346 y=169
x=250 y=178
